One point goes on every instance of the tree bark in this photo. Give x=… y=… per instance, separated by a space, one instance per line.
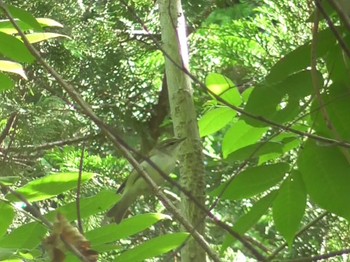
x=183 y=114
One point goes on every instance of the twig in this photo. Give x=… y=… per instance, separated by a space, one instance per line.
x=321 y=257
x=80 y=225
x=29 y=206
x=50 y=145
x=11 y=121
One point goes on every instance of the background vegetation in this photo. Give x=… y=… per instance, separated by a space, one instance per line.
x=274 y=122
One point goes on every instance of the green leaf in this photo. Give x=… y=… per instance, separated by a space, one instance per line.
x=246 y=93
x=218 y=84
x=289 y=207
x=252 y=181
x=214 y=120
x=336 y=103
x=24 y=16
x=38 y=37
x=6 y=218
x=12 y=67
x=7 y=27
x=27 y=236
x=248 y=220
x=255 y=150
x=88 y=206
x=9 y=180
x=280 y=102
x=48 y=22
x=126 y=228
x=232 y=96
x=338 y=63
x=49 y=186
x=326 y=174
x=240 y=135
x=154 y=247
x=299 y=59
x=288 y=144
x=14 y=49
x=328 y=9
x=6 y=83
x=8 y=253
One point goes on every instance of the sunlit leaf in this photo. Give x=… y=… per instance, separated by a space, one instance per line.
x=214 y=120
x=154 y=247
x=217 y=83
x=48 y=22
x=6 y=217
x=240 y=135
x=6 y=83
x=12 y=67
x=125 y=229
x=50 y=186
x=13 y=48
x=232 y=96
x=88 y=205
x=7 y=27
x=38 y=37
x=27 y=236
x=24 y=16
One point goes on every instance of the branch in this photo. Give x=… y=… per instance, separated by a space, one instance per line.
x=33 y=210
x=11 y=121
x=50 y=145
x=81 y=164
x=321 y=257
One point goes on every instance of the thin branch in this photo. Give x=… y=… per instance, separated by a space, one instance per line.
x=321 y=257
x=11 y=121
x=81 y=164
x=32 y=209
x=54 y=144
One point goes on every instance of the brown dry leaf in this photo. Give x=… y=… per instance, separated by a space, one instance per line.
x=64 y=236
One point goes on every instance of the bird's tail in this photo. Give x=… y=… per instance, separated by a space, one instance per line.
x=117 y=212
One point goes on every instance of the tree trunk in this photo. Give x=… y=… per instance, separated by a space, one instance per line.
x=184 y=120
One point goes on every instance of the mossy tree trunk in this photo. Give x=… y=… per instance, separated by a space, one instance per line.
x=184 y=119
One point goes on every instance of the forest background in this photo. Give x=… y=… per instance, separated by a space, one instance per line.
x=271 y=85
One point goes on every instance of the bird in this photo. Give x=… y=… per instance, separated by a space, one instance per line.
x=164 y=156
